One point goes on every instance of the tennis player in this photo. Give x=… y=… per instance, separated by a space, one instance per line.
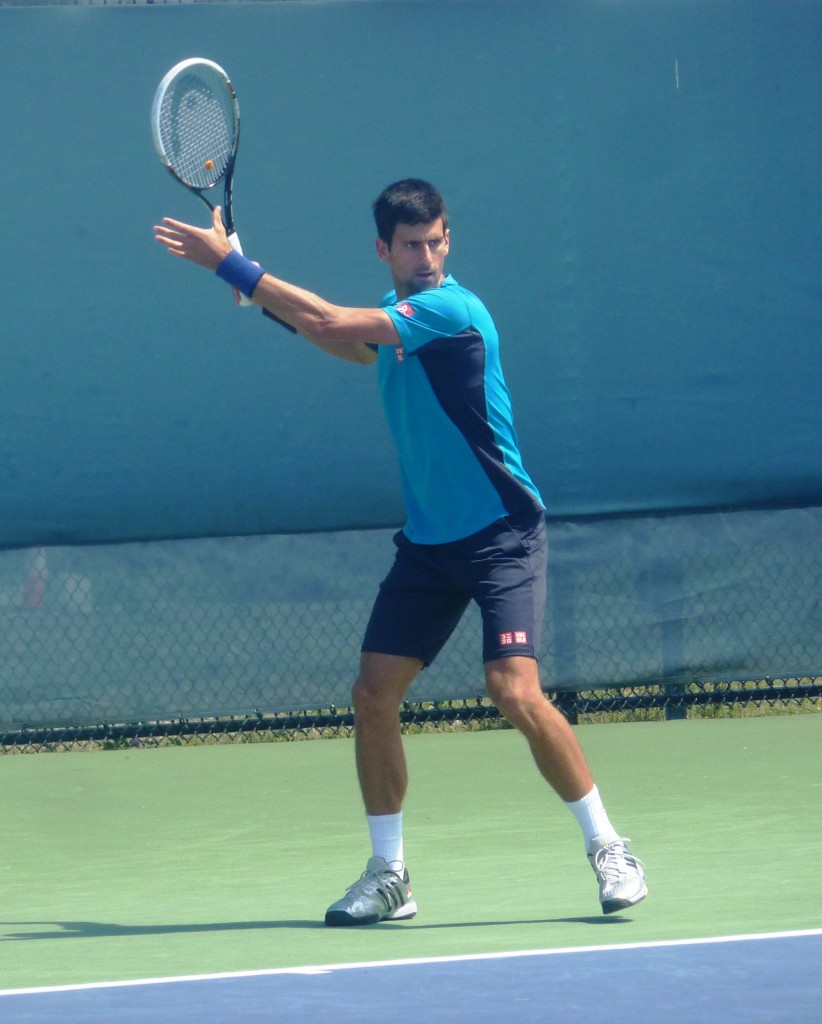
x=475 y=529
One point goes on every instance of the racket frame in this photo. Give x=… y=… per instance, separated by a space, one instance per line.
x=227 y=177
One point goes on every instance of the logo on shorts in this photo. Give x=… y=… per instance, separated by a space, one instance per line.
x=519 y=636
x=399 y=352
x=405 y=308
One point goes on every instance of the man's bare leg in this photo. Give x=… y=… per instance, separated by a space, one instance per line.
x=384 y=891
x=378 y=694
x=514 y=687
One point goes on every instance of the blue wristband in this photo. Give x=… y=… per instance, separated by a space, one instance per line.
x=240 y=273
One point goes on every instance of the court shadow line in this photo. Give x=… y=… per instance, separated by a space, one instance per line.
x=99 y=929
x=610 y=920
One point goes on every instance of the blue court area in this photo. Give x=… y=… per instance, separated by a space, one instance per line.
x=765 y=978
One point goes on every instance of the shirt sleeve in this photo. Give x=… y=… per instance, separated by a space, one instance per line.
x=428 y=316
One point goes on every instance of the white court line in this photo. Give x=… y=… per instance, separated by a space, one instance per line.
x=471 y=957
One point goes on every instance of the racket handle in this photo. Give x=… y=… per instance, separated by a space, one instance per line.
x=234 y=242
x=277 y=320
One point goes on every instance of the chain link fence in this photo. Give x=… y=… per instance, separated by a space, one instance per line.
x=651 y=703
x=241 y=637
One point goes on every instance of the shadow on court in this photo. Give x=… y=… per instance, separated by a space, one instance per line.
x=101 y=930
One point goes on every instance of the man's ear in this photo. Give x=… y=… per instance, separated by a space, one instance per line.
x=383 y=250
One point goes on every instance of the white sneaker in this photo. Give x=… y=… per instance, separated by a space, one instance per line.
x=379 y=894
x=621 y=875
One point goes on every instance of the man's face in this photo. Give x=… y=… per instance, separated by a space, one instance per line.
x=416 y=256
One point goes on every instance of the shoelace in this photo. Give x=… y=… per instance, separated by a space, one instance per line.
x=371 y=881
x=612 y=861
x=382 y=884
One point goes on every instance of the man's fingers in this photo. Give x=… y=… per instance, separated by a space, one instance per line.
x=171 y=242
x=164 y=238
x=200 y=245
x=176 y=225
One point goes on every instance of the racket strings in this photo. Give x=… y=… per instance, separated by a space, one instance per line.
x=198 y=130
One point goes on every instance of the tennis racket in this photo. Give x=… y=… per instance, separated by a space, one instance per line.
x=195 y=121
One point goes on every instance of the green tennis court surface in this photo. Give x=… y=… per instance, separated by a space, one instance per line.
x=183 y=861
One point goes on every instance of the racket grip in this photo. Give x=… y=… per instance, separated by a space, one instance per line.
x=234 y=242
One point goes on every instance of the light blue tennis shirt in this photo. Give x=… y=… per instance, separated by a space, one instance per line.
x=449 y=411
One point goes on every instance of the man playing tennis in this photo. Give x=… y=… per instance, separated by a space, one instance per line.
x=475 y=528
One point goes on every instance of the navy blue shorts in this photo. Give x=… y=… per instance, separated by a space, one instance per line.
x=503 y=568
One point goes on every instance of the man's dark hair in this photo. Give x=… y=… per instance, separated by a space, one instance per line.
x=410 y=201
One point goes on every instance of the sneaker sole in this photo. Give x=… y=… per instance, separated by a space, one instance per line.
x=342 y=919
x=612 y=906
x=403 y=913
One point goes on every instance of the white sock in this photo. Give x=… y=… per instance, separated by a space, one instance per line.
x=593 y=819
x=386 y=838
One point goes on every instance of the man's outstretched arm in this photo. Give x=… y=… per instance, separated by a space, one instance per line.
x=343 y=331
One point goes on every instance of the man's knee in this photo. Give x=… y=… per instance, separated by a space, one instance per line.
x=367 y=694
x=382 y=683
x=514 y=687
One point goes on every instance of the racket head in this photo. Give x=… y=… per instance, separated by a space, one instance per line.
x=195 y=123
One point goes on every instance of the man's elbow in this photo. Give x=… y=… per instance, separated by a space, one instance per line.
x=356 y=352
x=366 y=354
x=335 y=336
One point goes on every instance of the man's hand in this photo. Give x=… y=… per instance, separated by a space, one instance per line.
x=207 y=247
